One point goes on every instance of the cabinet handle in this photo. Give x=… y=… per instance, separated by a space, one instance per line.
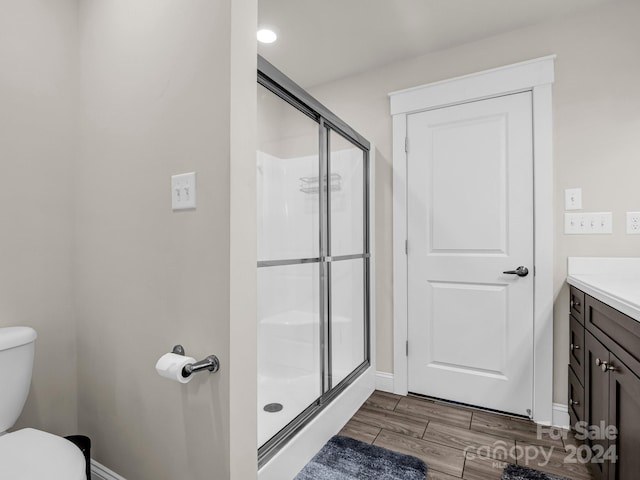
x=574 y=347
x=574 y=303
x=573 y=402
x=605 y=366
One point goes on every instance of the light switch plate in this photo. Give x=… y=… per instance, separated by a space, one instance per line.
x=573 y=199
x=595 y=223
x=183 y=191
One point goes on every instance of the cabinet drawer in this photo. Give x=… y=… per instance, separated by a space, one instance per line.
x=576 y=303
x=576 y=348
x=576 y=399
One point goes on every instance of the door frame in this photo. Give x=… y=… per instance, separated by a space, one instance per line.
x=536 y=76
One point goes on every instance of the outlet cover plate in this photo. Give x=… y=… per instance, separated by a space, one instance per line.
x=595 y=223
x=183 y=191
x=633 y=223
x=573 y=199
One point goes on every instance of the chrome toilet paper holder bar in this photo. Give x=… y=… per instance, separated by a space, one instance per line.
x=210 y=363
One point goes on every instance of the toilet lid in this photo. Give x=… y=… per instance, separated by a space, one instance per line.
x=30 y=454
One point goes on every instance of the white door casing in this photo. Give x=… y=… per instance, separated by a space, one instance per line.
x=470 y=218
x=535 y=76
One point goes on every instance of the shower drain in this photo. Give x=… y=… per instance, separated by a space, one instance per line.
x=273 y=407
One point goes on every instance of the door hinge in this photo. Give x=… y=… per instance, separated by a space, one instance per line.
x=406 y=247
x=406 y=344
x=406 y=144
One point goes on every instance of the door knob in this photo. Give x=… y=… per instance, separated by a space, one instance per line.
x=520 y=271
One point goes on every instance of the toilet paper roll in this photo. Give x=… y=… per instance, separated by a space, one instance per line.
x=170 y=366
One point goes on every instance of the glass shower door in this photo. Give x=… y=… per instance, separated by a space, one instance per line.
x=313 y=259
x=289 y=308
x=348 y=252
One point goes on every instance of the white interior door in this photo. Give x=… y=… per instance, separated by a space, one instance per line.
x=470 y=218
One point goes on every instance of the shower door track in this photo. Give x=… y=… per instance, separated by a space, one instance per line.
x=279 y=84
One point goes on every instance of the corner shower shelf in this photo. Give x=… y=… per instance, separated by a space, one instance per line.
x=312 y=184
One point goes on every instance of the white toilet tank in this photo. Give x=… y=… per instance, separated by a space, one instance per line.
x=16 y=364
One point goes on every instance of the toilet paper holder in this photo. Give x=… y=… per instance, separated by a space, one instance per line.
x=210 y=363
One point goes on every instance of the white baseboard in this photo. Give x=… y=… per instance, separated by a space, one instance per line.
x=560 y=415
x=384 y=381
x=100 y=472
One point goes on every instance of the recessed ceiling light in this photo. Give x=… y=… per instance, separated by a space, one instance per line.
x=266 y=36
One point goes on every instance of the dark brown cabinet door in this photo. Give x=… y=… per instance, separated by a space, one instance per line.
x=624 y=413
x=596 y=398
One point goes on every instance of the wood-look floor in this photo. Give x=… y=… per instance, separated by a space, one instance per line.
x=460 y=442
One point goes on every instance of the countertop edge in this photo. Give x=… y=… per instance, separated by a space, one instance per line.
x=605 y=297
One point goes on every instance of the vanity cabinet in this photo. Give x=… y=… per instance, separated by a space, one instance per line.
x=608 y=362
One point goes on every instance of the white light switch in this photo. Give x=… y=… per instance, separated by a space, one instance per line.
x=573 y=199
x=588 y=223
x=183 y=191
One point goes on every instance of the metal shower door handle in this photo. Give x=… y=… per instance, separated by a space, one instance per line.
x=520 y=271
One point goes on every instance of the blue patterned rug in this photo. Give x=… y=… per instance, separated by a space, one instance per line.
x=518 y=472
x=343 y=458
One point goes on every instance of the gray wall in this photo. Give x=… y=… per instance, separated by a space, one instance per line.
x=157 y=99
x=596 y=141
x=38 y=92
x=101 y=102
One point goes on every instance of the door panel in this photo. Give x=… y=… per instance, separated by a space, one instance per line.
x=450 y=303
x=470 y=218
x=477 y=199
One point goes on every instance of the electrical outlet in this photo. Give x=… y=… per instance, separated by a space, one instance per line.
x=633 y=223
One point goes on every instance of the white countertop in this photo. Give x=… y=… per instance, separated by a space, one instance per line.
x=614 y=281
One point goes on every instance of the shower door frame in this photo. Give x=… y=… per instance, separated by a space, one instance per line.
x=279 y=84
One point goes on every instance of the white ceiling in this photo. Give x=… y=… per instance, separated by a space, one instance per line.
x=323 y=40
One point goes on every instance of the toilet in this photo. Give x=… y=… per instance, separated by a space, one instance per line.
x=28 y=454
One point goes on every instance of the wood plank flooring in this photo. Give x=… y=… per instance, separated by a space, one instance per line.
x=460 y=442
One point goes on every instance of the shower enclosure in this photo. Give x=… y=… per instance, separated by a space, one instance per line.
x=313 y=258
